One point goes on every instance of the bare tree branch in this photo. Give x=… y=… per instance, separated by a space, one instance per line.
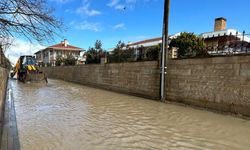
x=31 y=19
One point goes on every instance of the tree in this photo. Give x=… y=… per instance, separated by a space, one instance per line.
x=118 y=51
x=31 y=19
x=59 y=60
x=152 y=53
x=98 y=45
x=99 y=49
x=189 y=45
x=94 y=54
x=4 y=62
x=5 y=43
x=70 y=60
x=91 y=56
x=141 y=50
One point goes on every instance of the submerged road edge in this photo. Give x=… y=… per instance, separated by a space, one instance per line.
x=10 y=139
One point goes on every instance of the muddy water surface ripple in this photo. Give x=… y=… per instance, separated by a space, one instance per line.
x=67 y=116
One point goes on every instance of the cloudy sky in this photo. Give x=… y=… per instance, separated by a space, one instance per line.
x=132 y=20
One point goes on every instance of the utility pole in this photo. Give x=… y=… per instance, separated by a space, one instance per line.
x=164 y=51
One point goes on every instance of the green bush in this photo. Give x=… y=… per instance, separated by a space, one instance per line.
x=69 y=60
x=189 y=45
x=152 y=53
x=59 y=61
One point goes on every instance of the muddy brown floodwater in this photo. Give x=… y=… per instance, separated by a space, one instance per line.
x=67 y=116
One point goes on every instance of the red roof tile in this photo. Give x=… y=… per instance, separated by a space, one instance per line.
x=62 y=47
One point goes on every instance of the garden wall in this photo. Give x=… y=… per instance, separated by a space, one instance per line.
x=221 y=83
x=137 y=78
x=3 y=86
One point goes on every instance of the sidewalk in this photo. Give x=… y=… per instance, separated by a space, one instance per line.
x=10 y=140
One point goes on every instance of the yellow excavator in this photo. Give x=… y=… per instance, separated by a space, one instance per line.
x=26 y=70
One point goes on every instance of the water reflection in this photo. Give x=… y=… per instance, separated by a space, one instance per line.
x=69 y=116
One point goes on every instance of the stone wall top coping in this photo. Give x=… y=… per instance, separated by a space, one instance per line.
x=211 y=60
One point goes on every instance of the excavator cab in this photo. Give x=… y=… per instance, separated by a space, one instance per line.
x=27 y=70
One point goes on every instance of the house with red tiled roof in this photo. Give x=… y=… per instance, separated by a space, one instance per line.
x=149 y=42
x=146 y=43
x=137 y=46
x=48 y=55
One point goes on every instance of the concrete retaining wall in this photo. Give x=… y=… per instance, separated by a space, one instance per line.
x=221 y=83
x=140 y=78
x=3 y=86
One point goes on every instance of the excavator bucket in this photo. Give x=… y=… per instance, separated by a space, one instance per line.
x=36 y=77
x=26 y=70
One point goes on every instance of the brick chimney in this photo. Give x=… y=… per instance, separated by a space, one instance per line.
x=220 y=24
x=65 y=42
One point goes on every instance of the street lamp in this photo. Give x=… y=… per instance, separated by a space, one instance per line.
x=164 y=51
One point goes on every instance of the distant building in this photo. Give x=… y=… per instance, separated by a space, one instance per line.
x=150 y=42
x=48 y=55
x=82 y=58
x=145 y=43
x=137 y=46
x=216 y=41
x=222 y=39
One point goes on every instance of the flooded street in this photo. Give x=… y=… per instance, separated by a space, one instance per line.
x=67 y=116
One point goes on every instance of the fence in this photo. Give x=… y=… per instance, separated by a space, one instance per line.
x=134 y=54
x=230 y=45
x=215 y=45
